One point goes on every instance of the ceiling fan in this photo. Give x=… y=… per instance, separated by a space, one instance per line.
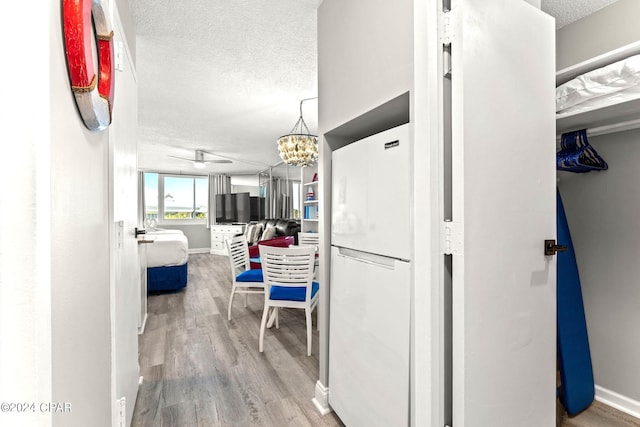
x=199 y=162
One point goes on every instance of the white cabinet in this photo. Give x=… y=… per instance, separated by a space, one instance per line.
x=222 y=232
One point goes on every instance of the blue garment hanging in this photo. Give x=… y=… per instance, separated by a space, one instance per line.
x=577 y=155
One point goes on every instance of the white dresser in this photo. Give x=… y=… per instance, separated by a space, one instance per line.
x=222 y=232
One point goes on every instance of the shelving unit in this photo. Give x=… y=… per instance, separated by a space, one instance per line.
x=310 y=207
x=618 y=115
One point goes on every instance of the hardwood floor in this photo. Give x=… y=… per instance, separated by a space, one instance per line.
x=597 y=415
x=201 y=370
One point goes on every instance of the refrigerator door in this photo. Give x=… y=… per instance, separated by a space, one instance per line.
x=371 y=194
x=369 y=339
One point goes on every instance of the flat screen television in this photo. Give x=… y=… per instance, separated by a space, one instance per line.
x=243 y=204
x=233 y=207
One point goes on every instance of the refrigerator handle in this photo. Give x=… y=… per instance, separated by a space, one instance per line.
x=368 y=258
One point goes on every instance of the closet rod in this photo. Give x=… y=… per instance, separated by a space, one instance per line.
x=599 y=61
x=613 y=128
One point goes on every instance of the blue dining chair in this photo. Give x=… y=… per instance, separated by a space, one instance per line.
x=288 y=277
x=245 y=280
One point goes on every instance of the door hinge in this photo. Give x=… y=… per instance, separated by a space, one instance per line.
x=446 y=29
x=445 y=37
x=452 y=238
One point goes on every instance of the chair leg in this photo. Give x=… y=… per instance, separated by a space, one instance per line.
x=263 y=324
x=277 y=314
x=233 y=292
x=307 y=312
x=272 y=317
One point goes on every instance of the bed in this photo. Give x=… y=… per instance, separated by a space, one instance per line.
x=602 y=93
x=167 y=261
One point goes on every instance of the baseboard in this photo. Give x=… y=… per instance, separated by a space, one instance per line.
x=199 y=251
x=321 y=399
x=618 y=401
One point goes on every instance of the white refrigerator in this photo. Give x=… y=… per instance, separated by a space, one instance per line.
x=370 y=299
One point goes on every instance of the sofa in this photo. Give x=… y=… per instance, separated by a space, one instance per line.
x=270 y=232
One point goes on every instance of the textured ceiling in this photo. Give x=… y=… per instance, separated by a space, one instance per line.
x=568 y=11
x=228 y=76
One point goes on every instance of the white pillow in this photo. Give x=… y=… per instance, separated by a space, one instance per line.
x=269 y=232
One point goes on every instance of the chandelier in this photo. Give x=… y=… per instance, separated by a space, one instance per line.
x=299 y=147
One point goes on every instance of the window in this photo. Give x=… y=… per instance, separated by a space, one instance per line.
x=176 y=197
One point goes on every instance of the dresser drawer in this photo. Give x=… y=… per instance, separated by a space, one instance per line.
x=218 y=237
x=218 y=245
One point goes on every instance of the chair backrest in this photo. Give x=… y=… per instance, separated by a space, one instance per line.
x=309 y=239
x=238 y=250
x=290 y=267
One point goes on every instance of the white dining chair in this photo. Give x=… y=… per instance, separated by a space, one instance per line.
x=245 y=280
x=288 y=278
x=309 y=239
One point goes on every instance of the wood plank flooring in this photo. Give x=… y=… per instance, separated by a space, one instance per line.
x=201 y=370
x=597 y=415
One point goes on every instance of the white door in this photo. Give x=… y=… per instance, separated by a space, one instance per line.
x=125 y=273
x=503 y=195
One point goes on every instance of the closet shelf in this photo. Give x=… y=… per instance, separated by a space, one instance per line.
x=623 y=112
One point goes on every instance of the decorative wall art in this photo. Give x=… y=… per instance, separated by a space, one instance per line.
x=93 y=91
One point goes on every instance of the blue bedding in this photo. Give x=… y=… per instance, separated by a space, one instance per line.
x=164 y=279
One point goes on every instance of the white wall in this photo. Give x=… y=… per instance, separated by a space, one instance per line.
x=602 y=211
x=608 y=28
x=55 y=341
x=80 y=309
x=25 y=235
x=362 y=45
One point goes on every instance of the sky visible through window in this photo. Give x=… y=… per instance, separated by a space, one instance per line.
x=151 y=192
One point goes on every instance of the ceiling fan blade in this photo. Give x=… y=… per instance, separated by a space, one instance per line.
x=181 y=158
x=218 y=161
x=231 y=159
